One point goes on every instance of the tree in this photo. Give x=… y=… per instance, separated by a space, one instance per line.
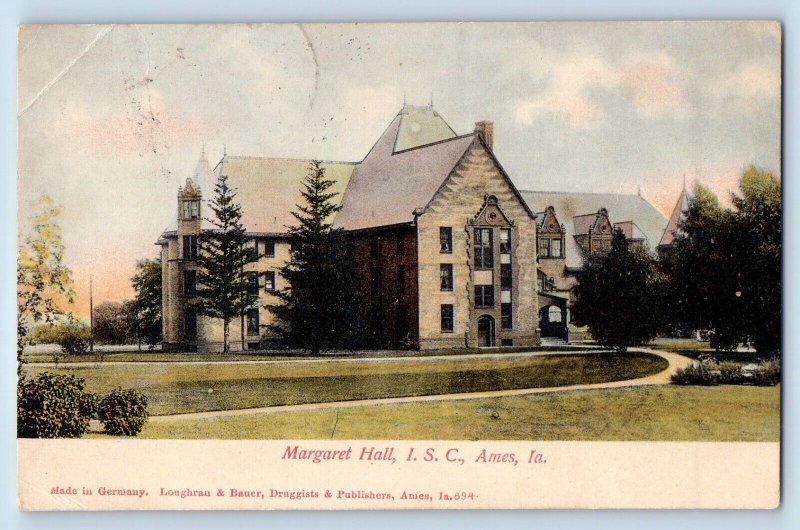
x=318 y=310
x=144 y=311
x=111 y=323
x=758 y=225
x=44 y=282
x=619 y=295
x=223 y=283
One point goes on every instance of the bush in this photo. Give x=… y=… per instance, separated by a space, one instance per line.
x=53 y=406
x=123 y=412
x=768 y=373
x=73 y=337
x=730 y=373
x=695 y=374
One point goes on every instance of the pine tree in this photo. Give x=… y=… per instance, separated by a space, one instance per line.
x=144 y=311
x=318 y=310
x=223 y=290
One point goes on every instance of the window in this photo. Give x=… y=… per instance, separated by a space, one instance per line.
x=544 y=247
x=401 y=278
x=506 y=322
x=505 y=241
x=252 y=321
x=484 y=296
x=189 y=283
x=252 y=284
x=269 y=280
x=189 y=247
x=446 y=275
x=401 y=245
x=269 y=247
x=555 y=248
x=190 y=323
x=484 y=248
x=505 y=276
x=447 y=318
x=191 y=210
x=554 y=314
x=445 y=240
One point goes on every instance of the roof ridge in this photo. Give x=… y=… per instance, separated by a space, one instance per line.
x=585 y=193
x=287 y=159
x=433 y=143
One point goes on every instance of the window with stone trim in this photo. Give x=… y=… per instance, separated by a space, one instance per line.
x=269 y=281
x=506 y=321
x=447 y=318
x=189 y=283
x=190 y=323
x=190 y=247
x=191 y=209
x=445 y=240
x=484 y=248
x=505 y=241
x=268 y=247
x=484 y=296
x=251 y=317
x=446 y=276
x=506 y=276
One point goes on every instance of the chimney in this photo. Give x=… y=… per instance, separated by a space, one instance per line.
x=485 y=129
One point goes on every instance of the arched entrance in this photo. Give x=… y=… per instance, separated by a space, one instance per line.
x=552 y=321
x=486 y=332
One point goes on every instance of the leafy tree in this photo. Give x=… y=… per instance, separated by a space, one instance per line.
x=144 y=311
x=111 y=323
x=318 y=310
x=619 y=294
x=224 y=286
x=758 y=227
x=43 y=280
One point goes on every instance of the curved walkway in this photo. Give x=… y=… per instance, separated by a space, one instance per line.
x=675 y=361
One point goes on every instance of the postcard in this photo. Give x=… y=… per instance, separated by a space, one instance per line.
x=399 y=266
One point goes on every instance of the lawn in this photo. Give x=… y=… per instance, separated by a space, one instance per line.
x=174 y=388
x=654 y=413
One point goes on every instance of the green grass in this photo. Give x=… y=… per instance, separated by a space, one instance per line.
x=174 y=388
x=655 y=413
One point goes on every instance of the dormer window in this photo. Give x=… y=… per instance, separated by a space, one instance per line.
x=191 y=209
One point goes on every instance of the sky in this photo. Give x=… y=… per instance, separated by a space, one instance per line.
x=112 y=119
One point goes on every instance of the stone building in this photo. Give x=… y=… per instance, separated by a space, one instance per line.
x=447 y=252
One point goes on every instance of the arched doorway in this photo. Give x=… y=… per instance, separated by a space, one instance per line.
x=486 y=332
x=552 y=321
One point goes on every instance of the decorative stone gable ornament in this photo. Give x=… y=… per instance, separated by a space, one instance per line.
x=491 y=214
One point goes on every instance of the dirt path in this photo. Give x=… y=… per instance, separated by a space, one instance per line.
x=675 y=361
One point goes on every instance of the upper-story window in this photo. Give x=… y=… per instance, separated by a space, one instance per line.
x=191 y=209
x=505 y=241
x=445 y=240
x=189 y=282
x=189 y=247
x=446 y=276
x=484 y=248
x=269 y=281
x=550 y=247
x=252 y=284
x=268 y=247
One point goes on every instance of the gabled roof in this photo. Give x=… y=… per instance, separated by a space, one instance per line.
x=631 y=230
x=620 y=206
x=586 y=224
x=678 y=213
x=390 y=183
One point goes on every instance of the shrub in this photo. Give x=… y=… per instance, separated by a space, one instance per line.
x=695 y=374
x=768 y=373
x=53 y=406
x=730 y=373
x=73 y=337
x=123 y=412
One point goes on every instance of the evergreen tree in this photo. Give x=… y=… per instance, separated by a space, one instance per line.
x=318 y=310
x=223 y=290
x=619 y=295
x=144 y=311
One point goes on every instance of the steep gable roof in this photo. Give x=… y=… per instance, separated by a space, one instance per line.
x=678 y=213
x=620 y=206
x=390 y=183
